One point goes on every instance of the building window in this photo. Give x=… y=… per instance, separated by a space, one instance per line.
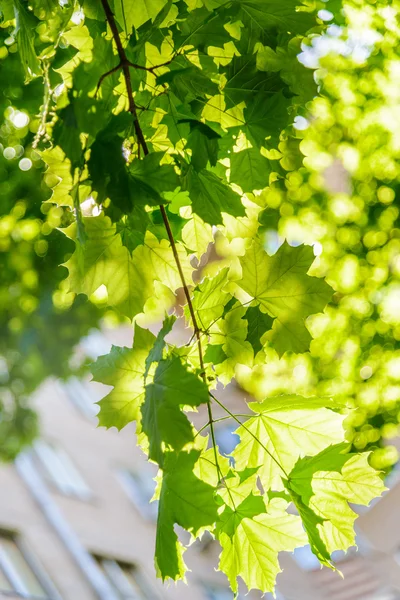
x=17 y=577
x=60 y=470
x=80 y=396
x=139 y=486
x=125 y=580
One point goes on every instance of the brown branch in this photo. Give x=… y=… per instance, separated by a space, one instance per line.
x=126 y=64
x=102 y=78
x=135 y=66
x=127 y=76
x=153 y=68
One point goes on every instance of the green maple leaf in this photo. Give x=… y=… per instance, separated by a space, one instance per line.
x=92 y=9
x=281 y=287
x=231 y=333
x=206 y=468
x=156 y=353
x=58 y=176
x=284 y=60
x=132 y=228
x=129 y=279
x=203 y=142
x=214 y=354
x=265 y=15
x=210 y=196
x=134 y=13
x=197 y=235
x=284 y=429
x=310 y=523
x=202 y=28
x=150 y=180
x=186 y=500
x=258 y=323
x=187 y=81
x=24 y=27
x=251 y=536
x=266 y=117
x=245 y=82
x=325 y=484
x=107 y=165
x=163 y=421
x=86 y=77
x=66 y=134
x=250 y=169
x=124 y=369
x=209 y=299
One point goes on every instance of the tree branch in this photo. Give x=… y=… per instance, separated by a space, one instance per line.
x=102 y=78
x=126 y=64
x=127 y=76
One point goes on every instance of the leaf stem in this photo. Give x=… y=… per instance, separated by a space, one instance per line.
x=208 y=423
x=251 y=433
x=125 y=65
x=103 y=77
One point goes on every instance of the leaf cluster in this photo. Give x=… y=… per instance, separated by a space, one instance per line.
x=166 y=123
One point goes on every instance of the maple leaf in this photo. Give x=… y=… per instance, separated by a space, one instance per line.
x=281 y=287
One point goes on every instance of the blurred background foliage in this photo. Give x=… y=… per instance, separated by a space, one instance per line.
x=338 y=190
x=40 y=323
x=341 y=193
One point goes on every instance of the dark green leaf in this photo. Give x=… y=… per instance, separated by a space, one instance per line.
x=185 y=500
x=24 y=26
x=187 y=82
x=107 y=165
x=210 y=196
x=250 y=169
x=156 y=353
x=133 y=227
x=149 y=180
x=163 y=422
x=203 y=142
x=215 y=354
x=258 y=323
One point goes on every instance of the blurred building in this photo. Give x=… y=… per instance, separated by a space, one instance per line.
x=76 y=523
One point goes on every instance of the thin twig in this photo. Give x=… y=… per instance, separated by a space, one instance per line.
x=131 y=64
x=208 y=423
x=153 y=68
x=45 y=107
x=250 y=432
x=102 y=78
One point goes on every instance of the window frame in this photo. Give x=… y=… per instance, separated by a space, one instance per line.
x=10 y=571
x=145 y=589
x=48 y=467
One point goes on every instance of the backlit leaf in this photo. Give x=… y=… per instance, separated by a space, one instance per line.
x=281 y=287
x=186 y=500
x=210 y=196
x=124 y=369
x=284 y=429
x=163 y=422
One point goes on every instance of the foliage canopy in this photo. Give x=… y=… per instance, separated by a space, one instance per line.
x=167 y=127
